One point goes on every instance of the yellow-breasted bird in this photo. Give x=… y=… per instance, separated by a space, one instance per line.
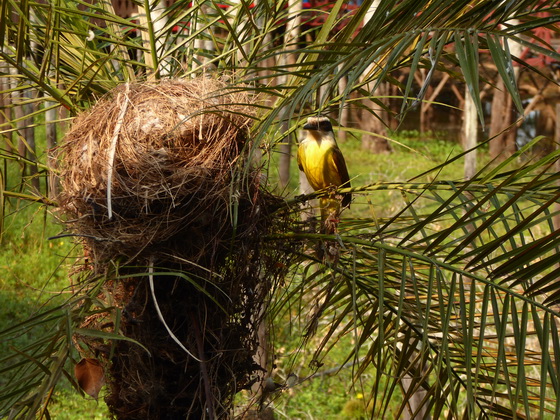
x=323 y=164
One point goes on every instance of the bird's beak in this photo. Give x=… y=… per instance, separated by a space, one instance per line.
x=310 y=126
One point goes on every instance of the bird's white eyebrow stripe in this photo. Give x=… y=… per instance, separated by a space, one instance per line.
x=319 y=123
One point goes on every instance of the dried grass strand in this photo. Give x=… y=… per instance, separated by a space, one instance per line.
x=160 y=314
x=112 y=151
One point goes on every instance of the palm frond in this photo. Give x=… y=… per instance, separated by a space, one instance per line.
x=452 y=294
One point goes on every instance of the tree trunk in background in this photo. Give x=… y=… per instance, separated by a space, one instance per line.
x=245 y=47
x=420 y=77
x=51 y=132
x=199 y=43
x=4 y=109
x=293 y=28
x=25 y=134
x=159 y=19
x=414 y=403
x=29 y=131
x=556 y=220
x=557 y=164
x=18 y=115
x=502 y=144
x=470 y=134
x=344 y=111
x=285 y=149
x=368 y=121
x=426 y=108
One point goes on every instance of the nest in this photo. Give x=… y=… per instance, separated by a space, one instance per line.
x=151 y=161
x=149 y=177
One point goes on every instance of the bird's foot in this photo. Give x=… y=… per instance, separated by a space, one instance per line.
x=330 y=224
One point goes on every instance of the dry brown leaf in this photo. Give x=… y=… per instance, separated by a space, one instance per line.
x=90 y=377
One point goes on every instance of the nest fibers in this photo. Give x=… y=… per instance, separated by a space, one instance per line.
x=149 y=177
x=151 y=161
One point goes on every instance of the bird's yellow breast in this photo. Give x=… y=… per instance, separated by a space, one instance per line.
x=316 y=160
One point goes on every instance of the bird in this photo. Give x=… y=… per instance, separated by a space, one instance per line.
x=323 y=164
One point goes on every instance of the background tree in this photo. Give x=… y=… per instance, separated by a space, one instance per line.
x=456 y=291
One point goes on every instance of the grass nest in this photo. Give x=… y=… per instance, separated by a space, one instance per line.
x=157 y=183
x=151 y=162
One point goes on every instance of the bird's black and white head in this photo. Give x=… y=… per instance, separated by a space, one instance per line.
x=318 y=124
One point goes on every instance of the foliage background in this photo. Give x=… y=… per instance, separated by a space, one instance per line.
x=452 y=289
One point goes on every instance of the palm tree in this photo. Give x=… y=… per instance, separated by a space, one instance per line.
x=455 y=293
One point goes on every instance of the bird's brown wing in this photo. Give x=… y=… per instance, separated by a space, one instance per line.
x=340 y=164
x=299 y=163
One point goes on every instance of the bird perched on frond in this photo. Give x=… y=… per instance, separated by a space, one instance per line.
x=323 y=164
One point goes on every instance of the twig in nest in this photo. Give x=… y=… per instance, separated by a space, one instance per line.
x=113 y=149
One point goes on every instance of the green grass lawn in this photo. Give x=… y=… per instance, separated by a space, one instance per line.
x=36 y=275
x=34 y=269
